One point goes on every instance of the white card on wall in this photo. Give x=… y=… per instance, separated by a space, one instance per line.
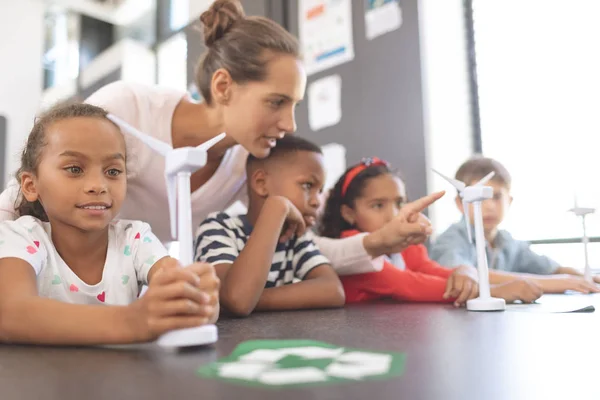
x=381 y=17
x=325 y=33
x=325 y=102
x=334 y=155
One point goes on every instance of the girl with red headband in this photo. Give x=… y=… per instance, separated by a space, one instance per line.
x=364 y=199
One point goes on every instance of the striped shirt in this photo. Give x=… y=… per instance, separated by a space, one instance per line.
x=221 y=238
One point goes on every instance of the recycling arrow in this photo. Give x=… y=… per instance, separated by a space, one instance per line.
x=285 y=363
x=360 y=364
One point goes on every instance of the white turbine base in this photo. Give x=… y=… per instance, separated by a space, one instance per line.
x=486 y=304
x=198 y=336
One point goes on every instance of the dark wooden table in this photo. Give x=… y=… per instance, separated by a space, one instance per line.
x=451 y=354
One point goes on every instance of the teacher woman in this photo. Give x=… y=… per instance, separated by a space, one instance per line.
x=251 y=79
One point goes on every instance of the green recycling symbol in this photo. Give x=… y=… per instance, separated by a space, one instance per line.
x=293 y=363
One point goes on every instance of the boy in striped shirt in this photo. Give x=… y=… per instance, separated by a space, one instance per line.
x=266 y=259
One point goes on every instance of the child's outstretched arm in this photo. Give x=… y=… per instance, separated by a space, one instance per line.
x=408 y=228
x=391 y=282
x=548 y=283
x=531 y=262
x=525 y=290
x=172 y=301
x=544 y=272
x=360 y=253
x=575 y=273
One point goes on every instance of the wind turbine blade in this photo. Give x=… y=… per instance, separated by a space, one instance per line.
x=485 y=179
x=172 y=197
x=154 y=144
x=460 y=186
x=210 y=143
x=467 y=220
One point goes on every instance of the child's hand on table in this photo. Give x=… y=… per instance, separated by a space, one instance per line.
x=176 y=298
x=525 y=290
x=562 y=283
x=462 y=285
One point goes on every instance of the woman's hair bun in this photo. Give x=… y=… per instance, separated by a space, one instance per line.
x=219 y=18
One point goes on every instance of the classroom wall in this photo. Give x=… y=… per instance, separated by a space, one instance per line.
x=412 y=105
x=21 y=78
x=382 y=97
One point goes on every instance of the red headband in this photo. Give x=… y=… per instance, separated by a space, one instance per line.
x=364 y=164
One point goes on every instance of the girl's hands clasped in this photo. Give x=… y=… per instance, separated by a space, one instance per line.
x=176 y=298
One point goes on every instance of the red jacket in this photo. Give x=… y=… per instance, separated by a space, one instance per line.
x=423 y=280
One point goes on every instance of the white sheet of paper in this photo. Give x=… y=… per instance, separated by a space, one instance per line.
x=334 y=155
x=274 y=355
x=357 y=365
x=292 y=375
x=313 y=353
x=325 y=33
x=382 y=17
x=263 y=356
x=325 y=102
x=242 y=370
x=559 y=303
x=366 y=358
x=355 y=371
x=541 y=308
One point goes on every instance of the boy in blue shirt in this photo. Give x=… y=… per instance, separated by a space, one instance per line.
x=508 y=258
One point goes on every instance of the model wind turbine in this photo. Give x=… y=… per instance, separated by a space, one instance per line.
x=583 y=212
x=475 y=194
x=179 y=165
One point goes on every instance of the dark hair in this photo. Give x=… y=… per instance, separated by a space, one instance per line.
x=237 y=43
x=285 y=146
x=30 y=157
x=332 y=223
x=478 y=166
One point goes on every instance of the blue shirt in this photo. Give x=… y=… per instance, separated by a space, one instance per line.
x=452 y=248
x=221 y=238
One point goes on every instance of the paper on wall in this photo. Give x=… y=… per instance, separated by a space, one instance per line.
x=381 y=17
x=334 y=155
x=325 y=32
x=325 y=102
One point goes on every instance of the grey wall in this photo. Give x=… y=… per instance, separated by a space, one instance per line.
x=382 y=107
